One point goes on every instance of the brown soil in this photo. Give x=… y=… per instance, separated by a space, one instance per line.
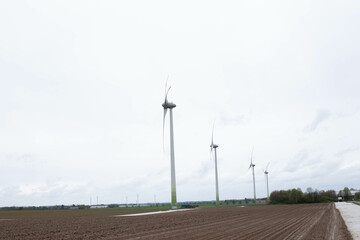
x=312 y=221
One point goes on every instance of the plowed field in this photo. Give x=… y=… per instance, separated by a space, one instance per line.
x=311 y=221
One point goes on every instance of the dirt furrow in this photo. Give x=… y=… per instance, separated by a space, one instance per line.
x=307 y=221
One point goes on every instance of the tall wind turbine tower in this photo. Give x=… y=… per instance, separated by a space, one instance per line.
x=169 y=105
x=252 y=167
x=267 y=181
x=214 y=146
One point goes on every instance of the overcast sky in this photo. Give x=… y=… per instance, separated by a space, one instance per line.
x=82 y=83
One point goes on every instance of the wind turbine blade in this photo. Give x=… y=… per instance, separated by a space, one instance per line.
x=267 y=166
x=212 y=137
x=165 y=111
x=252 y=155
x=166 y=93
x=166 y=88
x=212 y=142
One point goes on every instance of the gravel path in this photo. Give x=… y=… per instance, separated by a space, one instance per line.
x=152 y=213
x=351 y=215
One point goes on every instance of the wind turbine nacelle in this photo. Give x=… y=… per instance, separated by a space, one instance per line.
x=214 y=146
x=168 y=105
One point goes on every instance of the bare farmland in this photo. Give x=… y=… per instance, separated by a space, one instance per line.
x=311 y=221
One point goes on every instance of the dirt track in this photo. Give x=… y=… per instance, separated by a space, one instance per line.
x=312 y=221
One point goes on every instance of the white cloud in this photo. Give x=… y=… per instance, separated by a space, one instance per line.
x=321 y=116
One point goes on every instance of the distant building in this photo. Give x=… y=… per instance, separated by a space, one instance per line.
x=98 y=206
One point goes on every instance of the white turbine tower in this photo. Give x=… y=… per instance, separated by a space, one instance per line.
x=169 y=105
x=214 y=146
x=252 y=167
x=267 y=181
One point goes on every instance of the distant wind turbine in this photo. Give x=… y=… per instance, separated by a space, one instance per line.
x=252 y=167
x=169 y=105
x=267 y=180
x=214 y=146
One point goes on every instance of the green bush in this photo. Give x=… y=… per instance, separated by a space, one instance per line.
x=293 y=196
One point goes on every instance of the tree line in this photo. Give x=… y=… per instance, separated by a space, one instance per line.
x=294 y=196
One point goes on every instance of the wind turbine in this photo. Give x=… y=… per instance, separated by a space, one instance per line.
x=169 y=105
x=214 y=146
x=267 y=181
x=252 y=166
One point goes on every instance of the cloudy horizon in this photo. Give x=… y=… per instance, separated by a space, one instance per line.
x=82 y=83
